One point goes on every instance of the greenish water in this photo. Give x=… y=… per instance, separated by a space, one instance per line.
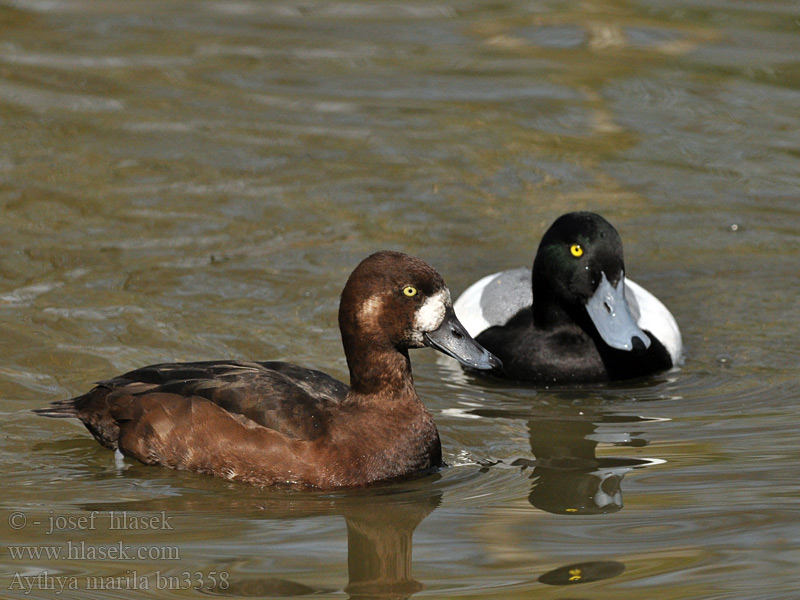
x=186 y=181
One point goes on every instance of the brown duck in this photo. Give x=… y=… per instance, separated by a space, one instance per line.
x=274 y=423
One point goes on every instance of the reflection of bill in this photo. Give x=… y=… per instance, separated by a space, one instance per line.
x=587 y=491
x=568 y=476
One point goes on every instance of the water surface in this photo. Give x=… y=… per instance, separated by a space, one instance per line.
x=187 y=181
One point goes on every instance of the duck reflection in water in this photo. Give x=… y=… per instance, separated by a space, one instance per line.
x=568 y=476
x=379 y=545
x=380 y=528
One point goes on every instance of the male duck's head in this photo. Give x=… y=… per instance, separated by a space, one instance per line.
x=579 y=269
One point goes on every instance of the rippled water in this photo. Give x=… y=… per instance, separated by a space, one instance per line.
x=193 y=180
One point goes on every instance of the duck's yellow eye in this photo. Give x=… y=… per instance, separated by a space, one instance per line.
x=410 y=291
x=576 y=250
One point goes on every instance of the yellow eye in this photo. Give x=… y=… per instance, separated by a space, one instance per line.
x=576 y=250
x=410 y=291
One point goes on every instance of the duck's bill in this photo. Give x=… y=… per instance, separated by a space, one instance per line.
x=453 y=340
x=611 y=315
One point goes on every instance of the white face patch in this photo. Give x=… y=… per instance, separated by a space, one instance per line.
x=370 y=309
x=431 y=314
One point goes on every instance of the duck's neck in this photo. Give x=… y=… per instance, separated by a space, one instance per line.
x=547 y=313
x=382 y=370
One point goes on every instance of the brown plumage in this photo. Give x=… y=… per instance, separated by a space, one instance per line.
x=273 y=423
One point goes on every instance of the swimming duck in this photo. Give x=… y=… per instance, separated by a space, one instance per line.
x=274 y=423
x=576 y=317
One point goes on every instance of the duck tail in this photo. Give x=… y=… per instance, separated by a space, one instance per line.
x=60 y=409
x=92 y=410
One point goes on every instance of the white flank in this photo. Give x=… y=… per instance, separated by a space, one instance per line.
x=656 y=318
x=431 y=314
x=468 y=306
